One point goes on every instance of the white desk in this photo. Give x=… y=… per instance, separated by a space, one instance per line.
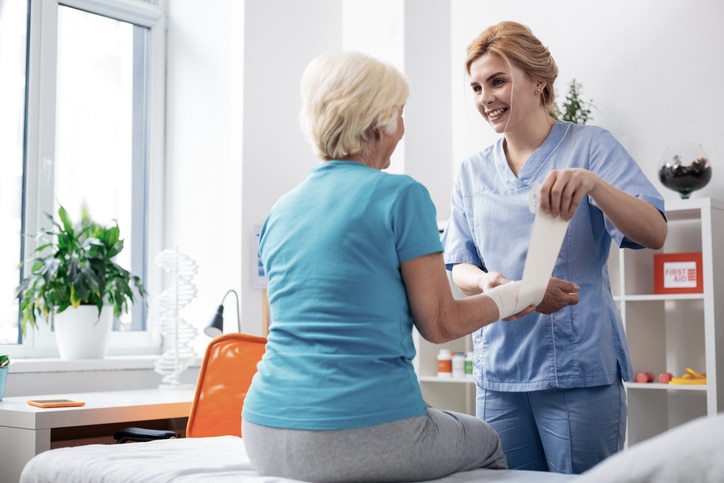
x=26 y=430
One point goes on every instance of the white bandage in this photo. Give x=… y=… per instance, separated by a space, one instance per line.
x=544 y=246
x=545 y=243
x=512 y=298
x=506 y=298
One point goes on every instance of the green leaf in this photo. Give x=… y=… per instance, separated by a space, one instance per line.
x=74 y=265
x=574 y=109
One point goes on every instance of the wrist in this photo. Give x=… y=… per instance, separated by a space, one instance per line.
x=505 y=297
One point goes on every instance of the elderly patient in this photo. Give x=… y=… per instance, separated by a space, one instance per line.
x=354 y=260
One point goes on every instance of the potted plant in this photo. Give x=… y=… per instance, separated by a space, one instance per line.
x=73 y=269
x=574 y=109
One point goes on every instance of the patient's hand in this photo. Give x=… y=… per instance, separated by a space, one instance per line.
x=559 y=294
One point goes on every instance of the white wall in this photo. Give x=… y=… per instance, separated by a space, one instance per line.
x=428 y=117
x=281 y=38
x=377 y=28
x=651 y=67
x=204 y=149
x=41 y=378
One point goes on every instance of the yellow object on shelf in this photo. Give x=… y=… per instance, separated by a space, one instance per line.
x=691 y=377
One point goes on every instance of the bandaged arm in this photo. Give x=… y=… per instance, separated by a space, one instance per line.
x=511 y=298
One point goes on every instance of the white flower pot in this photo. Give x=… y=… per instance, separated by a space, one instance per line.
x=81 y=334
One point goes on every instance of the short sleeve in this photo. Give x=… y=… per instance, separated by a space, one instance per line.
x=457 y=239
x=415 y=224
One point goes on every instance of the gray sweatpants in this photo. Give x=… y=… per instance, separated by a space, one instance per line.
x=415 y=449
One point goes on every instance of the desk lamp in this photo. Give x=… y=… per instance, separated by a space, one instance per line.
x=216 y=327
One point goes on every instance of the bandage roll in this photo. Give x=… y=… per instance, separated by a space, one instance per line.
x=545 y=243
x=505 y=297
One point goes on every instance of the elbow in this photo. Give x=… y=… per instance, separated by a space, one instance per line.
x=652 y=235
x=437 y=338
x=657 y=244
x=659 y=238
x=437 y=333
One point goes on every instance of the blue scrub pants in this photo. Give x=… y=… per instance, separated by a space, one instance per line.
x=557 y=430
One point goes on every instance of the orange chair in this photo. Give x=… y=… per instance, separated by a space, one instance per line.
x=228 y=366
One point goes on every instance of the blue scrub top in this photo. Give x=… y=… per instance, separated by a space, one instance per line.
x=490 y=226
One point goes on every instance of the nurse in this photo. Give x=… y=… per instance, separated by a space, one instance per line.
x=551 y=384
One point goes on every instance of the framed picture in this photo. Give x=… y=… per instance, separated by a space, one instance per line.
x=678 y=273
x=258 y=275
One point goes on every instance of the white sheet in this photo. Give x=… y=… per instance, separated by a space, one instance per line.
x=693 y=452
x=220 y=459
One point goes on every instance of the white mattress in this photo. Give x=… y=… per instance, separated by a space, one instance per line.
x=692 y=452
x=220 y=459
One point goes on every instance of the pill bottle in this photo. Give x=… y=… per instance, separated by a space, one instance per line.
x=444 y=363
x=469 y=364
x=458 y=364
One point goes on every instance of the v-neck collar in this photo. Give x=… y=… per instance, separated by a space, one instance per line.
x=530 y=171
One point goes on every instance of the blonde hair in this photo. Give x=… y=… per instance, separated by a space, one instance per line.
x=516 y=44
x=344 y=97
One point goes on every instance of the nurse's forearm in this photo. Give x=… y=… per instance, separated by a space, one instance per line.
x=467 y=278
x=637 y=219
x=472 y=280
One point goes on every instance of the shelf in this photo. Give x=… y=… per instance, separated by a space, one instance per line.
x=677 y=209
x=670 y=332
x=665 y=387
x=662 y=298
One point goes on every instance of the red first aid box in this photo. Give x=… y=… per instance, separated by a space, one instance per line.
x=678 y=273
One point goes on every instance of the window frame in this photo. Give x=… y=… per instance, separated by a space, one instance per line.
x=40 y=149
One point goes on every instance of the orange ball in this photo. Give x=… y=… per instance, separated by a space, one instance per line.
x=665 y=377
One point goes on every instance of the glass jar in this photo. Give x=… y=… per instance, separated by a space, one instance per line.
x=685 y=168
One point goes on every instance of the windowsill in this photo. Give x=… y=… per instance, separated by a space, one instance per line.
x=111 y=363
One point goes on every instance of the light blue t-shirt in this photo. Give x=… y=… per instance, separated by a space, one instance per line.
x=340 y=345
x=490 y=226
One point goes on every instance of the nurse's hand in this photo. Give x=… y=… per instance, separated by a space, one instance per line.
x=528 y=310
x=491 y=280
x=559 y=294
x=564 y=189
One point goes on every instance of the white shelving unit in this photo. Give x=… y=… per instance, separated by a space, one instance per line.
x=452 y=393
x=668 y=333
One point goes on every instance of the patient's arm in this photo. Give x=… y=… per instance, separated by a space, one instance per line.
x=438 y=316
x=471 y=280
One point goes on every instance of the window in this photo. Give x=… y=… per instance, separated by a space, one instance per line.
x=13 y=33
x=87 y=127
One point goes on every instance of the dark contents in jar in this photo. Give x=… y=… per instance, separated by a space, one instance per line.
x=685 y=178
